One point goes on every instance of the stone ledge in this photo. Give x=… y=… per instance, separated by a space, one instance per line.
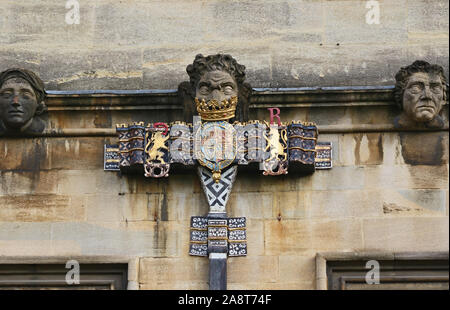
x=261 y=98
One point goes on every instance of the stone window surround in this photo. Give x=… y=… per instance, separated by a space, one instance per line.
x=323 y=257
x=132 y=262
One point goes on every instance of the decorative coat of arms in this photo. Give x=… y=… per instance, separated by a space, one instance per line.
x=218 y=142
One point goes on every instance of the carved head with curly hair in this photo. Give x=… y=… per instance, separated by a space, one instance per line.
x=217 y=77
x=22 y=97
x=420 y=91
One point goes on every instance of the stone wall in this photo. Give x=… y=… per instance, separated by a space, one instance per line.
x=133 y=44
x=385 y=193
x=387 y=190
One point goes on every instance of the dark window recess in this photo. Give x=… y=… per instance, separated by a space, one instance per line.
x=394 y=275
x=53 y=277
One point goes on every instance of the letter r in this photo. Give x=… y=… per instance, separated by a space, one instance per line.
x=272 y=115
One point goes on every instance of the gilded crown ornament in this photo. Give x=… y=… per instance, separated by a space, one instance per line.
x=214 y=110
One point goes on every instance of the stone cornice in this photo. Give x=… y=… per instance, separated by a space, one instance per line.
x=169 y=101
x=261 y=98
x=322 y=96
x=113 y=100
x=323 y=129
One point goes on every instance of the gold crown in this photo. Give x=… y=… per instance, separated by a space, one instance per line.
x=214 y=110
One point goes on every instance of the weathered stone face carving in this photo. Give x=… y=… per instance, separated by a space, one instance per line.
x=216 y=85
x=420 y=91
x=21 y=101
x=218 y=81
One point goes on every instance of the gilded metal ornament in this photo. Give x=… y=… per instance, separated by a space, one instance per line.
x=214 y=110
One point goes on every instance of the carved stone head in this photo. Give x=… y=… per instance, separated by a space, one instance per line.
x=219 y=78
x=420 y=91
x=22 y=98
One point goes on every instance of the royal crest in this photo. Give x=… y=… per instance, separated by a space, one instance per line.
x=218 y=143
x=215 y=146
